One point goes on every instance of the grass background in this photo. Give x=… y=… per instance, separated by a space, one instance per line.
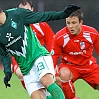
x=16 y=91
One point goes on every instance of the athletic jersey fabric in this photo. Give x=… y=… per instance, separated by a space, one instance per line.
x=44 y=34
x=77 y=50
x=17 y=37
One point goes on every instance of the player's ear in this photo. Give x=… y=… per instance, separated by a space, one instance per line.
x=81 y=21
x=32 y=9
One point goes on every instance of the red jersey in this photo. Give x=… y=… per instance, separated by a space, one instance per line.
x=77 y=50
x=44 y=33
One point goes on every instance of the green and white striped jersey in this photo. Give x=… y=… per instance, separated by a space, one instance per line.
x=17 y=37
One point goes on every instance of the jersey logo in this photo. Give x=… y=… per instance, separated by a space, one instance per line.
x=13 y=41
x=82 y=45
x=14 y=24
x=9 y=36
x=76 y=40
x=24 y=41
x=78 y=53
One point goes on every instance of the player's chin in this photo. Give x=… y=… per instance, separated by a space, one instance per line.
x=73 y=33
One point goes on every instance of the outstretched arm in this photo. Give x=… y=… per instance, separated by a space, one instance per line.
x=6 y=61
x=35 y=17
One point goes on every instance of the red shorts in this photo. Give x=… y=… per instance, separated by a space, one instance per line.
x=14 y=65
x=89 y=73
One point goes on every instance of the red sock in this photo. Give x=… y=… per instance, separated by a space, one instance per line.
x=68 y=89
x=23 y=84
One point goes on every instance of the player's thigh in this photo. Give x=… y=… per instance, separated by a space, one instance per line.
x=92 y=78
x=45 y=68
x=68 y=72
x=32 y=81
x=39 y=94
x=42 y=66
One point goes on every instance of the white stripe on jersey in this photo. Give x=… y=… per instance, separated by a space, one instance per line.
x=37 y=26
x=66 y=39
x=88 y=37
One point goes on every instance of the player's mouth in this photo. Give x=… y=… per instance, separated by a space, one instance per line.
x=71 y=31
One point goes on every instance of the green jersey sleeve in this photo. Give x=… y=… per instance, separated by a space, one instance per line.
x=35 y=17
x=5 y=59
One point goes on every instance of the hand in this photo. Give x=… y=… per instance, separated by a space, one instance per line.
x=70 y=9
x=7 y=79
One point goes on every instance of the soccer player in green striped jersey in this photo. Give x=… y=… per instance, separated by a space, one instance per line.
x=18 y=39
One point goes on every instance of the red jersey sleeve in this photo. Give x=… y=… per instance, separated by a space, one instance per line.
x=96 y=42
x=56 y=48
x=48 y=35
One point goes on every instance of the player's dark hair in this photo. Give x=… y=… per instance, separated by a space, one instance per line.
x=77 y=13
x=24 y=2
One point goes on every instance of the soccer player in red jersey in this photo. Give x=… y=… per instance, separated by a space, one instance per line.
x=75 y=43
x=43 y=32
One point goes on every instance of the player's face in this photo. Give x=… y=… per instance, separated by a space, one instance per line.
x=74 y=25
x=27 y=6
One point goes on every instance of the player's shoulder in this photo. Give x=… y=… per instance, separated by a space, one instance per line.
x=11 y=9
x=61 y=33
x=43 y=23
x=16 y=11
x=89 y=29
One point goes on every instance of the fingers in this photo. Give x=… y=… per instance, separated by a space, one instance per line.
x=6 y=82
x=8 y=85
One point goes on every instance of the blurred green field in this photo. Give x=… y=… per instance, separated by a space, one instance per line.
x=84 y=91
x=16 y=91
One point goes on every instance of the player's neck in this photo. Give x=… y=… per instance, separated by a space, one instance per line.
x=2 y=18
